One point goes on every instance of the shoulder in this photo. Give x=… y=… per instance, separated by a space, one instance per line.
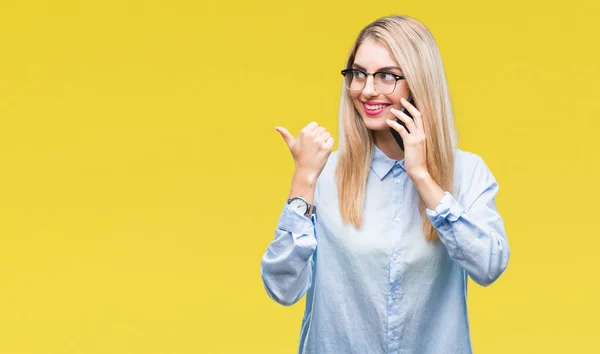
x=472 y=175
x=332 y=161
x=326 y=183
x=466 y=160
x=328 y=174
x=466 y=163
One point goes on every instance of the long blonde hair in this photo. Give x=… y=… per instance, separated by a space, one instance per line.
x=416 y=51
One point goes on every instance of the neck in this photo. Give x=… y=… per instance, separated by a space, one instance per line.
x=387 y=144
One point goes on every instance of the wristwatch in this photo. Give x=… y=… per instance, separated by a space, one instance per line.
x=301 y=206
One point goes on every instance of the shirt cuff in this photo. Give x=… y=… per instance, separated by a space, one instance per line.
x=295 y=223
x=448 y=209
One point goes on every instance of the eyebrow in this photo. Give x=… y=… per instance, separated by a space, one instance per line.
x=385 y=68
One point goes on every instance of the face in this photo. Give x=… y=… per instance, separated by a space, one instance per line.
x=374 y=107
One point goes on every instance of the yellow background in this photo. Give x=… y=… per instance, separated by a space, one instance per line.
x=137 y=142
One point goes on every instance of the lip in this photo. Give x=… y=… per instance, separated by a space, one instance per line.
x=375 y=112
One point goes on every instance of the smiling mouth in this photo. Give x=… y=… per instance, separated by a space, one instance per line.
x=374 y=109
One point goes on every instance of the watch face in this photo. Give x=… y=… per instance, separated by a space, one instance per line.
x=299 y=206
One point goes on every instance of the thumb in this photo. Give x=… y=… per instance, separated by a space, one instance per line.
x=289 y=139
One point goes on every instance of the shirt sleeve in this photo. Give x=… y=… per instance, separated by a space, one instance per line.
x=474 y=232
x=287 y=264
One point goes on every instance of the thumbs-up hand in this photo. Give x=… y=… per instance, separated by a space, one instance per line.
x=310 y=149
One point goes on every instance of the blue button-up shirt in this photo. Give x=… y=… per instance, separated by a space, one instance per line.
x=382 y=288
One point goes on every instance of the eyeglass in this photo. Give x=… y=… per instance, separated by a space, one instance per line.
x=385 y=83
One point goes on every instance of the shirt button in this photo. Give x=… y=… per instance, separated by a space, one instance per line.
x=397 y=180
x=394 y=296
x=395 y=256
x=397 y=219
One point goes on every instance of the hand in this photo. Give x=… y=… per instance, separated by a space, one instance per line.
x=415 y=149
x=310 y=149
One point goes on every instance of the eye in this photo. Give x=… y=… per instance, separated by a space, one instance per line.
x=387 y=77
x=360 y=75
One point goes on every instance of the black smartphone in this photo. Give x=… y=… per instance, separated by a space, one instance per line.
x=396 y=135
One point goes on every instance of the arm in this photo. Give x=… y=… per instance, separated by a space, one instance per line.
x=474 y=233
x=286 y=266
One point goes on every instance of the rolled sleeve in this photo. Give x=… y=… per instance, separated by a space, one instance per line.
x=474 y=235
x=298 y=225
x=448 y=209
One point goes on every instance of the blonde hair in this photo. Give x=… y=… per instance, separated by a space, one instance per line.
x=415 y=50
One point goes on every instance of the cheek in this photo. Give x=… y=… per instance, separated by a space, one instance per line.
x=355 y=99
x=400 y=92
x=395 y=99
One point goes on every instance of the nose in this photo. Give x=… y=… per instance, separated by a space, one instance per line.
x=369 y=89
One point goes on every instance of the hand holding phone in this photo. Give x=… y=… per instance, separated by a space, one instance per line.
x=396 y=135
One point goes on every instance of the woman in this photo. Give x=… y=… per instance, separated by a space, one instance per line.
x=382 y=240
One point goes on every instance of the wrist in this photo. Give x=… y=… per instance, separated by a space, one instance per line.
x=419 y=176
x=429 y=191
x=305 y=178
x=303 y=185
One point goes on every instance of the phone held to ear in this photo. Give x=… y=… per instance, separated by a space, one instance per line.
x=396 y=135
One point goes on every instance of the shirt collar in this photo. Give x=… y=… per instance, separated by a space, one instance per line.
x=381 y=164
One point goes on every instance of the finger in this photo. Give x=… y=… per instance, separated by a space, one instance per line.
x=289 y=139
x=318 y=131
x=323 y=137
x=309 y=127
x=410 y=124
x=414 y=112
x=329 y=143
x=399 y=128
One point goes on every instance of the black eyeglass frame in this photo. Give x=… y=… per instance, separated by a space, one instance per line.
x=396 y=76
